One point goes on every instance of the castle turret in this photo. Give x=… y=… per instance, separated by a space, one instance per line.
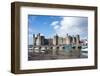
x=67 y=39
x=42 y=40
x=55 y=40
x=38 y=39
x=34 y=39
x=73 y=40
x=77 y=39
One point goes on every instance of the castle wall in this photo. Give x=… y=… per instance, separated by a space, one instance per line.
x=56 y=40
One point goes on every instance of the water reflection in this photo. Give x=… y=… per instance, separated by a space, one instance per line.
x=50 y=53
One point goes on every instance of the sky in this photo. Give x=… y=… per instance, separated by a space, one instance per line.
x=50 y=25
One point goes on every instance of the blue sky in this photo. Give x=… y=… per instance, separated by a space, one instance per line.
x=61 y=25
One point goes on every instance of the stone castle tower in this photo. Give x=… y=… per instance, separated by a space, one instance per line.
x=77 y=39
x=56 y=40
x=34 y=39
x=38 y=42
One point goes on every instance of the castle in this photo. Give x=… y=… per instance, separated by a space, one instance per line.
x=56 y=40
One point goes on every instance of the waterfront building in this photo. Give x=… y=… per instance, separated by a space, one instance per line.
x=42 y=40
x=38 y=39
x=50 y=41
x=34 y=39
x=77 y=39
x=56 y=40
x=60 y=41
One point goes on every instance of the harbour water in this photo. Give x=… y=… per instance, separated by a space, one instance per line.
x=52 y=54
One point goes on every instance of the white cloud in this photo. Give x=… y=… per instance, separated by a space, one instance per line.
x=56 y=27
x=70 y=25
x=42 y=34
x=54 y=23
